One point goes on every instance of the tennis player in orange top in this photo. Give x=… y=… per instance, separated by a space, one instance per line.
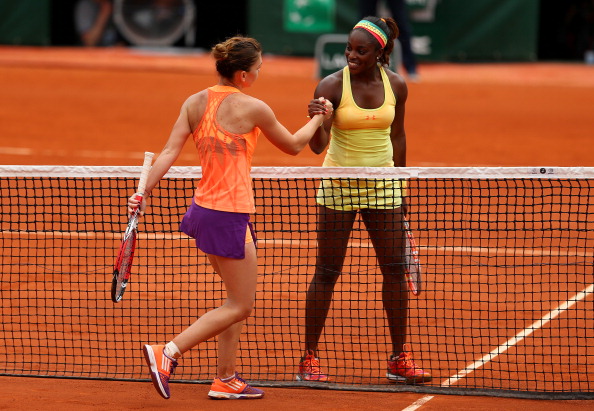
x=225 y=124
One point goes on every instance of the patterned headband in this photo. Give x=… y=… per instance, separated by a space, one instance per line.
x=375 y=31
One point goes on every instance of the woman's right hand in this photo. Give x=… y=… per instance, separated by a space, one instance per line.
x=319 y=106
x=136 y=200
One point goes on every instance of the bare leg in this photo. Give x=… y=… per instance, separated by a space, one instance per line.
x=334 y=229
x=228 y=342
x=385 y=230
x=227 y=350
x=240 y=278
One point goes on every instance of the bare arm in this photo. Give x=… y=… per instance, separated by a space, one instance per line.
x=279 y=135
x=398 y=134
x=331 y=89
x=177 y=138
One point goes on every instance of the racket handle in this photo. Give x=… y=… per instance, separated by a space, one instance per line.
x=146 y=168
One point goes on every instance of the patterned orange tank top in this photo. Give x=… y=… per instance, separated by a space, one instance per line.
x=226 y=160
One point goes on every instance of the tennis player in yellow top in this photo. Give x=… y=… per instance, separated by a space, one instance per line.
x=225 y=124
x=366 y=130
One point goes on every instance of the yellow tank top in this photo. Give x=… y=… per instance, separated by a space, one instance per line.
x=226 y=160
x=361 y=137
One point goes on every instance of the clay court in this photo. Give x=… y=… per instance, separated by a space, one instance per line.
x=106 y=107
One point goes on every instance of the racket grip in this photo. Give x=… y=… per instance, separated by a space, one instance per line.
x=146 y=168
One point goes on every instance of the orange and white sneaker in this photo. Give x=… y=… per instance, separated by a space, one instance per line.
x=234 y=388
x=309 y=369
x=403 y=369
x=161 y=365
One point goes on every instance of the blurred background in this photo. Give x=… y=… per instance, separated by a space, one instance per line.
x=443 y=30
x=504 y=82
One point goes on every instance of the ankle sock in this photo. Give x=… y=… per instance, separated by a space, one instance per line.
x=172 y=350
x=228 y=379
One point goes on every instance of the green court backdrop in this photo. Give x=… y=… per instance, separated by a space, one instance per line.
x=291 y=27
x=443 y=30
x=478 y=30
x=25 y=22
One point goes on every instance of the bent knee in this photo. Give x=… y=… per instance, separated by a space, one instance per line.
x=241 y=312
x=245 y=312
x=327 y=274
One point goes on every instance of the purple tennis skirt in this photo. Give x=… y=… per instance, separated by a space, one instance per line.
x=216 y=232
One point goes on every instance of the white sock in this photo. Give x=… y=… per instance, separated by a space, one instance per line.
x=172 y=350
x=227 y=379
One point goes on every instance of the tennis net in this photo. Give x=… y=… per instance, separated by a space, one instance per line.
x=506 y=306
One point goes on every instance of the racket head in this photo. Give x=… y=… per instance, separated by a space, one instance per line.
x=412 y=263
x=123 y=265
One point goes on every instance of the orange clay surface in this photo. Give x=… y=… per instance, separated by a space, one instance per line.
x=106 y=107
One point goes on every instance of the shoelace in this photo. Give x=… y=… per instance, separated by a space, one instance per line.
x=313 y=365
x=172 y=367
x=248 y=388
x=407 y=361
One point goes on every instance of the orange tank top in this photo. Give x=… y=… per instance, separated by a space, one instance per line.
x=226 y=160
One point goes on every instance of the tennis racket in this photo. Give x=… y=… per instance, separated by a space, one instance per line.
x=123 y=264
x=412 y=264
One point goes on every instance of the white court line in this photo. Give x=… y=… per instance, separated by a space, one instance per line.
x=66 y=152
x=509 y=251
x=418 y=403
x=305 y=243
x=520 y=336
x=462 y=373
x=506 y=345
